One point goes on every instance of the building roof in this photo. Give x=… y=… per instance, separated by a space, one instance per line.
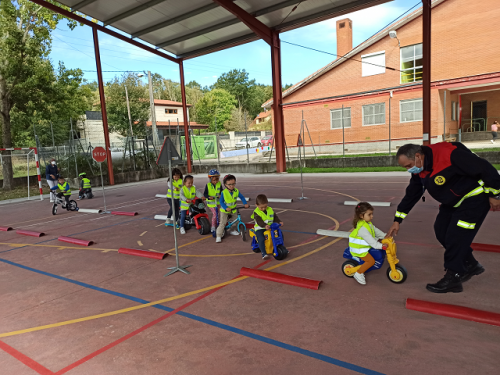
x=367 y=43
x=173 y=125
x=263 y=115
x=170 y=103
x=187 y=29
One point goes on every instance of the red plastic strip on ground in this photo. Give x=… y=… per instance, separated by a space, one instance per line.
x=142 y=253
x=124 y=213
x=5 y=229
x=35 y=366
x=485 y=247
x=453 y=311
x=280 y=278
x=75 y=241
x=30 y=233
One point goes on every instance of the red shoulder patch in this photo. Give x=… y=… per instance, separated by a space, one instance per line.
x=441 y=156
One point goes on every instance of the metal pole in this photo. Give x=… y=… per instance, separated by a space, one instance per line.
x=73 y=146
x=153 y=111
x=52 y=131
x=426 y=80
x=444 y=117
x=103 y=106
x=177 y=266
x=131 y=129
x=28 y=171
x=303 y=137
x=103 y=194
x=343 y=133
x=300 y=156
x=217 y=143
x=185 y=116
x=390 y=97
x=246 y=137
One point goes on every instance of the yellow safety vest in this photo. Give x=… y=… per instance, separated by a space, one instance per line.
x=230 y=199
x=63 y=188
x=189 y=194
x=213 y=191
x=177 y=184
x=358 y=246
x=86 y=183
x=267 y=216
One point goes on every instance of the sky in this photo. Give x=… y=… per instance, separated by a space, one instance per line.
x=75 y=49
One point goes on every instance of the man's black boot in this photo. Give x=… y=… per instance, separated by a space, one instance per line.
x=472 y=270
x=449 y=283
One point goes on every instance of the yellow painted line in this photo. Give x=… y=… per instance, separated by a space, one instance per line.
x=159 y=225
x=142 y=306
x=143 y=233
x=189 y=243
x=139 y=243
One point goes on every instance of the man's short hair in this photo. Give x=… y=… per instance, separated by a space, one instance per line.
x=409 y=150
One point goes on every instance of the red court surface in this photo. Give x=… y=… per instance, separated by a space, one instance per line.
x=70 y=309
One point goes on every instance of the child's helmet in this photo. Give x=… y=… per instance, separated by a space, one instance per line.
x=213 y=173
x=83 y=174
x=228 y=177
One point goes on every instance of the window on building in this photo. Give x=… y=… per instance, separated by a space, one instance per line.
x=410 y=110
x=336 y=118
x=170 y=111
x=372 y=64
x=411 y=63
x=454 y=111
x=374 y=114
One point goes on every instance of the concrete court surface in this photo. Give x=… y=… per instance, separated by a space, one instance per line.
x=68 y=309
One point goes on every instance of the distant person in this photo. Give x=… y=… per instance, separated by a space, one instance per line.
x=494 y=131
x=85 y=187
x=52 y=174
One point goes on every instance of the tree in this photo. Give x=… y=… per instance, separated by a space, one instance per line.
x=116 y=105
x=237 y=120
x=215 y=106
x=237 y=83
x=25 y=43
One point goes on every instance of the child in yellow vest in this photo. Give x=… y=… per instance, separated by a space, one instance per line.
x=212 y=194
x=228 y=200
x=173 y=195
x=188 y=194
x=263 y=216
x=364 y=237
x=64 y=190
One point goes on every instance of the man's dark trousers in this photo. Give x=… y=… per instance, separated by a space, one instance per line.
x=456 y=239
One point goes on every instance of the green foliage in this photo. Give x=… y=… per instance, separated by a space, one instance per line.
x=215 y=105
x=116 y=105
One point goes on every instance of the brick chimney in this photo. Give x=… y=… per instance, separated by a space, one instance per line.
x=344 y=36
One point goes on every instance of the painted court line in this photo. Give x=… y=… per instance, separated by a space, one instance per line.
x=35 y=366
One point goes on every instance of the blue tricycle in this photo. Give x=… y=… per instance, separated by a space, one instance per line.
x=274 y=242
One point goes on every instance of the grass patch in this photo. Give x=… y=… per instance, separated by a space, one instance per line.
x=353 y=170
x=20 y=192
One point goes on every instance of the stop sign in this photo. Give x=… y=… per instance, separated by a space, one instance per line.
x=99 y=154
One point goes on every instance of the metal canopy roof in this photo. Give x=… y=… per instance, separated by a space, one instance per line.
x=190 y=28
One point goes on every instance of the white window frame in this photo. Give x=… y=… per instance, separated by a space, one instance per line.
x=368 y=105
x=343 y=116
x=401 y=112
x=367 y=69
x=414 y=67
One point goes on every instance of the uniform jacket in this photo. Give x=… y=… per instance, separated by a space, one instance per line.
x=450 y=172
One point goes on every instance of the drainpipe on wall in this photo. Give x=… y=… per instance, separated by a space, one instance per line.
x=460 y=118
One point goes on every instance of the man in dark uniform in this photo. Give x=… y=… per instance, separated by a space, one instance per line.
x=467 y=186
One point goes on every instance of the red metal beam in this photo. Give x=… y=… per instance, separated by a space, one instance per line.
x=426 y=49
x=185 y=114
x=279 y=129
x=75 y=17
x=259 y=28
x=111 y=176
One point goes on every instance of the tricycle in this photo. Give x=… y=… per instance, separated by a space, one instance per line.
x=274 y=242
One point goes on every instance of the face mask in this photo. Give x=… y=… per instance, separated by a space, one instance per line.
x=53 y=163
x=415 y=169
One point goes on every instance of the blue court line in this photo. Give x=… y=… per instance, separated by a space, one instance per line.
x=69 y=235
x=296 y=349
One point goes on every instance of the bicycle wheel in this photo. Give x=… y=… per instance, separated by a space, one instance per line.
x=243 y=231
x=72 y=205
x=54 y=209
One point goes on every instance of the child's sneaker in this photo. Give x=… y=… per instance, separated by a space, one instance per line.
x=360 y=278
x=265 y=257
x=218 y=239
x=213 y=229
x=234 y=233
x=79 y=198
x=183 y=231
x=168 y=221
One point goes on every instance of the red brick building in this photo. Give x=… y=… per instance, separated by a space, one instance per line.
x=378 y=83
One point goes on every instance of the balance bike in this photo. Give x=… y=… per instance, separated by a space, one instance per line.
x=240 y=225
x=395 y=273
x=274 y=242
x=61 y=201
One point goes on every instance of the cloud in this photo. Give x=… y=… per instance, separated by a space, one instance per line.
x=214 y=76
